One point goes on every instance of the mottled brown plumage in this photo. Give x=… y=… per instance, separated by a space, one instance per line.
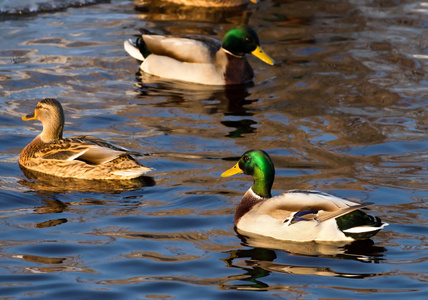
x=83 y=157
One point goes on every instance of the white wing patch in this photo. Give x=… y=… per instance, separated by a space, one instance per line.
x=73 y=157
x=133 y=173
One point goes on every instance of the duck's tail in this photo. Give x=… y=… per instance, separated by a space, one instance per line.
x=132 y=173
x=359 y=225
x=137 y=49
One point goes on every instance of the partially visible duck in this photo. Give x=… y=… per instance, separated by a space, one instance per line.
x=296 y=215
x=83 y=156
x=211 y=3
x=199 y=59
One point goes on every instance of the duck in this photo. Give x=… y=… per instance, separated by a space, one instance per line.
x=212 y=3
x=199 y=60
x=296 y=215
x=78 y=157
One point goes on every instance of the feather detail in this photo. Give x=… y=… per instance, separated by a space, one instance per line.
x=132 y=50
x=324 y=216
x=189 y=50
x=296 y=200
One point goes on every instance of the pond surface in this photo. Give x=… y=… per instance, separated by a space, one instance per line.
x=342 y=111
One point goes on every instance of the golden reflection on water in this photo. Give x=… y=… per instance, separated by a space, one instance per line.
x=155 y=10
x=45 y=182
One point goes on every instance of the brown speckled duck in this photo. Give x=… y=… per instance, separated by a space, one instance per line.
x=82 y=157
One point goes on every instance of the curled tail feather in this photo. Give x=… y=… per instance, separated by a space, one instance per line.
x=134 y=48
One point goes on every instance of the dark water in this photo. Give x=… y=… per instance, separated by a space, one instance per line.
x=342 y=111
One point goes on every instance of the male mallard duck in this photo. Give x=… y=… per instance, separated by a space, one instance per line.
x=296 y=215
x=83 y=157
x=212 y=3
x=199 y=60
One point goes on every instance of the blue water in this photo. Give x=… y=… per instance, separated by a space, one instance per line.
x=342 y=111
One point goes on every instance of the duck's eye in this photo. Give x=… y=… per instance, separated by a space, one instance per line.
x=249 y=39
x=246 y=158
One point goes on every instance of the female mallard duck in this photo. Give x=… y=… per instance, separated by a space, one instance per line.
x=211 y=3
x=83 y=157
x=296 y=215
x=199 y=60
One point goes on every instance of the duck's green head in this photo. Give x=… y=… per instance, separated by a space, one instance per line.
x=258 y=164
x=242 y=40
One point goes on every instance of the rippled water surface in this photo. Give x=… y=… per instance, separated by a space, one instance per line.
x=342 y=111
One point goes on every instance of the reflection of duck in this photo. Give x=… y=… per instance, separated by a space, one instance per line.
x=209 y=3
x=45 y=182
x=259 y=261
x=202 y=100
x=296 y=215
x=154 y=10
x=199 y=59
x=83 y=157
x=362 y=250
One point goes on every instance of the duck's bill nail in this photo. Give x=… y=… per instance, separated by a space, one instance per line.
x=31 y=116
x=260 y=54
x=232 y=171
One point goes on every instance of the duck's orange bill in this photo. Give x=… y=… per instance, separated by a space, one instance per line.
x=31 y=116
x=232 y=171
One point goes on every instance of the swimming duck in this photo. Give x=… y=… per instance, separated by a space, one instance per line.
x=212 y=3
x=296 y=215
x=199 y=59
x=83 y=156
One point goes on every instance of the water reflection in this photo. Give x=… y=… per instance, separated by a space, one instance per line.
x=363 y=250
x=259 y=262
x=48 y=183
x=54 y=264
x=197 y=99
x=156 y=10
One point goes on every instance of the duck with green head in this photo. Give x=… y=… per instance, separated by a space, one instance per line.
x=199 y=59
x=296 y=215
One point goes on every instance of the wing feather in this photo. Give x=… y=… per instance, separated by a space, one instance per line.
x=324 y=216
x=303 y=200
x=193 y=50
x=89 y=149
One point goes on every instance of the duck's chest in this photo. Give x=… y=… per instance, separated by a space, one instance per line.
x=35 y=149
x=237 y=70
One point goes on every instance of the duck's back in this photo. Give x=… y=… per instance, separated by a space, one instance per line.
x=83 y=157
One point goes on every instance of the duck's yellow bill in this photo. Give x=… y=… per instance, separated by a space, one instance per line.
x=31 y=116
x=254 y=1
x=260 y=54
x=232 y=171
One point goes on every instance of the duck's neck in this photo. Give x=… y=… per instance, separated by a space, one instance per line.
x=52 y=131
x=263 y=183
